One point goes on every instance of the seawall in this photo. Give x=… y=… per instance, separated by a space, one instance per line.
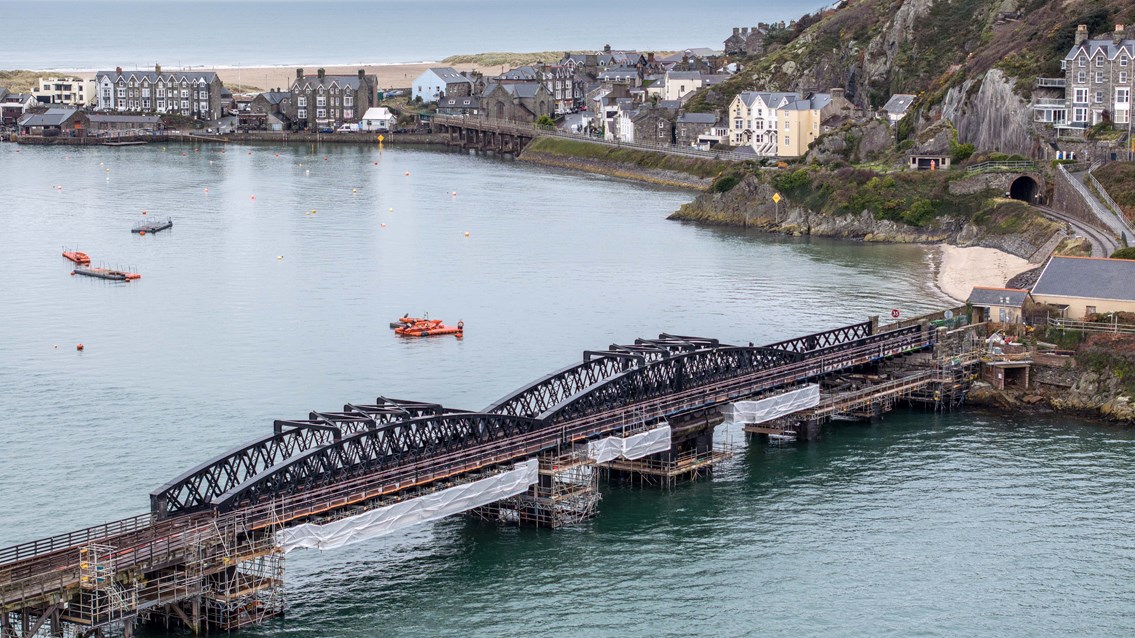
x=643 y=166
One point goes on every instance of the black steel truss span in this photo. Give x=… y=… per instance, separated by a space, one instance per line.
x=393 y=445
x=195 y=489
x=703 y=368
x=826 y=339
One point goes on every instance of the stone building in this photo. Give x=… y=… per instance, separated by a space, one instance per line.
x=1099 y=79
x=268 y=111
x=746 y=41
x=327 y=101
x=190 y=93
x=558 y=79
x=688 y=127
x=518 y=102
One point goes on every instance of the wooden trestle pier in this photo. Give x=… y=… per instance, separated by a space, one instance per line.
x=207 y=557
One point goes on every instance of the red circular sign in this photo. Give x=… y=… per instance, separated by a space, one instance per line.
x=895 y=313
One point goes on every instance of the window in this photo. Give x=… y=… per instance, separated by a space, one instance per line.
x=1122 y=116
x=321 y=101
x=145 y=92
x=1081 y=77
x=349 y=100
x=320 y=113
x=1099 y=77
x=1091 y=310
x=161 y=105
x=1123 y=77
x=786 y=140
x=1079 y=114
x=185 y=93
x=348 y=114
x=185 y=105
x=1123 y=60
x=161 y=92
x=204 y=95
x=1099 y=97
x=787 y=125
x=302 y=113
x=1122 y=96
x=121 y=93
x=1099 y=60
x=1080 y=96
x=301 y=101
x=1081 y=61
x=146 y=104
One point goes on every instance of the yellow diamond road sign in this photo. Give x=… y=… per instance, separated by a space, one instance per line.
x=776 y=198
x=381 y=137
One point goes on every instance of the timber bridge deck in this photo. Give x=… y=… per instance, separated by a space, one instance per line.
x=208 y=557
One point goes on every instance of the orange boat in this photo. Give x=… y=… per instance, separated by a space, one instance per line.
x=431 y=328
x=406 y=320
x=78 y=257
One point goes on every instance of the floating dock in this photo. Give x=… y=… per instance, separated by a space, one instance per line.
x=151 y=226
x=105 y=273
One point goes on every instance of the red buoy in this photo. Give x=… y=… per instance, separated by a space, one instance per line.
x=79 y=347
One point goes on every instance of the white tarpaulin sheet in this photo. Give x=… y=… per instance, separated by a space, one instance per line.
x=431 y=507
x=632 y=447
x=775 y=407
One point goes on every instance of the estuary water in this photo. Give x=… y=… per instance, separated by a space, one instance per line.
x=271 y=295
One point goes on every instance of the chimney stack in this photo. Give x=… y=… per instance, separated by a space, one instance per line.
x=837 y=93
x=736 y=30
x=321 y=73
x=299 y=74
x=118 y=70
x=1081 y=34
x=1120 y=34
x=158 y=69
x=744 y=30
x=362 y=74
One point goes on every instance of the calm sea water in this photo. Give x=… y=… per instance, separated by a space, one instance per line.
x=252 y=308
x=77 y=34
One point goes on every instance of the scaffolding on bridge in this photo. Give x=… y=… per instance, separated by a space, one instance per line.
x=567 y=493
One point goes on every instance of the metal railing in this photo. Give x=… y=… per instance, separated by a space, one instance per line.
x=998 y=166
x=1091 y=326
x=1110 y=219
x=1107 y=200
x=1052 y=83
x=534 y=130
x=74 y=539
x=1048 y=102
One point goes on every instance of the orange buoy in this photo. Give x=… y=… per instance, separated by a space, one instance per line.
x=206 y=190
x=254 y=198
x=79 y=347
x=141 y=233
x=382 y=225
x=407 y=173
x=72 y=273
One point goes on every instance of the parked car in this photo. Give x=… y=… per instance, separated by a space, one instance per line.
x=348 y=128
x=326 y=129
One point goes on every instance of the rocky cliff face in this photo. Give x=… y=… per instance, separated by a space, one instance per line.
x=993 y=117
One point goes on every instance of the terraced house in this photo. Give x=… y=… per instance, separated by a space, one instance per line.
x=190 y=93
x=1100 y=78
x=327 y=101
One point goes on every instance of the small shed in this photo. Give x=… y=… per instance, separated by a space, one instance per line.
x=1002 y=305
x=929 y=162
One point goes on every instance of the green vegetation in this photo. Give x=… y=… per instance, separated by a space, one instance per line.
x=701 y=168
x=1118 y=179
x=546 y=122
x=22 y=81
x=1124 y=253
x=1111 y=355
x=725 y=183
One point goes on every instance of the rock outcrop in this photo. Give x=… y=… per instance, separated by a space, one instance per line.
x=992 y=117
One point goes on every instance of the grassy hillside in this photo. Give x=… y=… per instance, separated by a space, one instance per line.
x=701 y=168
x=1118 y=179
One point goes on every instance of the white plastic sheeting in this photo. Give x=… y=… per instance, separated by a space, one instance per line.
x=632 y=447
x=431 y=507
x=775 y=407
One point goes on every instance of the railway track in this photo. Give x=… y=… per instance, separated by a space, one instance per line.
x=1103 y=243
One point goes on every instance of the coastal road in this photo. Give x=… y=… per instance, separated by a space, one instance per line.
x=1103 y=243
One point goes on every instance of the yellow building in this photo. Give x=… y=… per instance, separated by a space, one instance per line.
x=1082 y=286
x=799 y=126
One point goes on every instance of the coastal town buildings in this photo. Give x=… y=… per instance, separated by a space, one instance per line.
x=522 y=102
x=268 y=111
x=440 y=80
x=66 y=90
x=746 y=41
x=557 y=78
x=1099 y=78
x=328 y=101
x=377 y=118
x=752 y=120
x=464 y=105
x=188 y=93
x=13 y=105
x=690 y=127
x=1084 y=286
x=1001 y=305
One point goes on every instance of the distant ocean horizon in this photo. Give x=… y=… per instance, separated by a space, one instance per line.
x=101 y=34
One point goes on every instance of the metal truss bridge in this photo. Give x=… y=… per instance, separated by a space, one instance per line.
x=205 y=556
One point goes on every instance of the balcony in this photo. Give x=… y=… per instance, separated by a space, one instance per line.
x=1051 y=83
x=1046 y=103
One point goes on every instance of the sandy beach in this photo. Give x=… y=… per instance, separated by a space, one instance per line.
x=960 y=269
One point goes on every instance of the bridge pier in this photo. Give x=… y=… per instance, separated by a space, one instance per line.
x=566 y=493
x=691 y=456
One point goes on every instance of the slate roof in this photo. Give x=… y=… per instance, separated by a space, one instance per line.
x=519 y=73
x=814 y=103
x=3 y=93
x=520 y=90
x=697 y=118
x=123 y=119
x=683 y=75
x=152 y=76
x=982 y=296
x=18 y=98
x=275 y=97
x=1109 y=48
x=899 y=103
x=1088 y=278
x=53 y=117
x=463 y=102
x=619 y=71
x=314 y=81
x=450 y=75
x=770 y=98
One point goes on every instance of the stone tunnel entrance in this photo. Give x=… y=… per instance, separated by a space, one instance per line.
x=1025 y=189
